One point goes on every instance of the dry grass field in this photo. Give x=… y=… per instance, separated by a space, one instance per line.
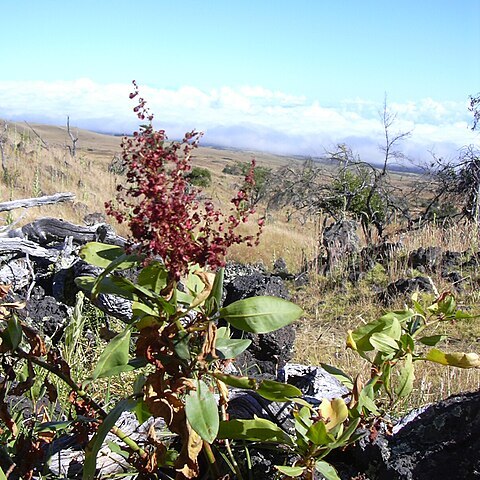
x=38 y=162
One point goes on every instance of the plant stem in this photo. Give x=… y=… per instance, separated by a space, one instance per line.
x=81 y=393
x=211 y=458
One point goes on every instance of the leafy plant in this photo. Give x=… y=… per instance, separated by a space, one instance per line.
x=200 y=177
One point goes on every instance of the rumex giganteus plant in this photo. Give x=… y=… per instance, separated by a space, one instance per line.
x=162 y=209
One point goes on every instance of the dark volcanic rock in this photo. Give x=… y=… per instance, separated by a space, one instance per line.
x=406 y=285
x=270 y=351
x=45 y=314
x=443 y=441
x=426 y=258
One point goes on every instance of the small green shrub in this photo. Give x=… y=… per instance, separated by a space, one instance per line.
x=200 y=177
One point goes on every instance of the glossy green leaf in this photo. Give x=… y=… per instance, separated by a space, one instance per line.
x=447 y=306
x=53 y=426
x=120 y=263
x=339 y=375
x=231 y=347
x=237 y=382
x=181 y=345
x=303 y=421
x=13 y=333
x=277 y=391
x=261 y=314
x=290 y=471
x=94 y=445
x=365 y=400
x=142 y=412
x=256 y=430
x=100 y=254
x=202 y=412
x=217 y=291
x=2 y=474
x=388 y=325
x=114 y=356
x=327 y=470
x=347 y=435
x=432 y=340
x=318 y=434
x=154 y=277
x=455 y=359
x=115 y=448
x=407 y=376
x=383 y=343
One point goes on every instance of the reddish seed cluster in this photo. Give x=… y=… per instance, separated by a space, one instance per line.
x=162 y=208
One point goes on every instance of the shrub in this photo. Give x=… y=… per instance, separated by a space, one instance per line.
x=200 y=177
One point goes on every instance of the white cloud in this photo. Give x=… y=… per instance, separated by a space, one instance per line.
x=250 y=117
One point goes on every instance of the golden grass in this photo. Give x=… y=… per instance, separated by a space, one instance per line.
x=332 y=305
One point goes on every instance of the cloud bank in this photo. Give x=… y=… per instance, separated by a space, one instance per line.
x=249 y=117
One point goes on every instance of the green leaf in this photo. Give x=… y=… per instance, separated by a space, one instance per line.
x=120 y=263
x=2 y=474
x=237 y=382
x=230 y=347
x=261 y=314
x=53 y=426
x=202 y=412
x=154 y=277
x=389 y=325
x=115 y=448
x=217 y=292
x=318 y=434
x=180 y=344
x=347 y=436
x=94 y=445
x=365 y=399
x=407 y=376
x=290 y=471
x=339 y=375
x=383 y=343
x=142 y=412
x=455 y=359
x=13 y=333
x=447 y=306
x=277 y=391
x=140 y=310
x=303 y=421
x=100 y=254
x=326 y=470
x=432 y=340
x=115 y=355
x=257 y=430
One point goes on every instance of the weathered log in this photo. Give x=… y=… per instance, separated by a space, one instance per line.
x=48 y=230
x=37 y=201
x=16 y=246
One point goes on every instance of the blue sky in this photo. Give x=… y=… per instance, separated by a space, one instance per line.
x=292 y=76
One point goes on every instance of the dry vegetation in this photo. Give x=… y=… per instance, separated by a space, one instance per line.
x=35 y=167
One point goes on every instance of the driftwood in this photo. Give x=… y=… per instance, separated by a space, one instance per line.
x=36 y=202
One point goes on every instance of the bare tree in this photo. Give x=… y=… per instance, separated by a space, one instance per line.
x=73 y=138
x=3 y=141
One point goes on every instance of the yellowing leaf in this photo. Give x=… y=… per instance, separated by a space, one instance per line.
x=333 y=412
x=455 y=359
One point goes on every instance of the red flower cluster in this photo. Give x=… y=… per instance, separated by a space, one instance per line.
x=162 y=209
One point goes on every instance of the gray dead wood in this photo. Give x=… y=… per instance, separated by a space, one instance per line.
x=36 y=202
x=49 y=230
x=16 y=246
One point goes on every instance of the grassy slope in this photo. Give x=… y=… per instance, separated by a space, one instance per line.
x=331 y=305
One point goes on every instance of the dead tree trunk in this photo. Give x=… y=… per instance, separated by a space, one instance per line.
x=36 y=202
x=73 y=138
